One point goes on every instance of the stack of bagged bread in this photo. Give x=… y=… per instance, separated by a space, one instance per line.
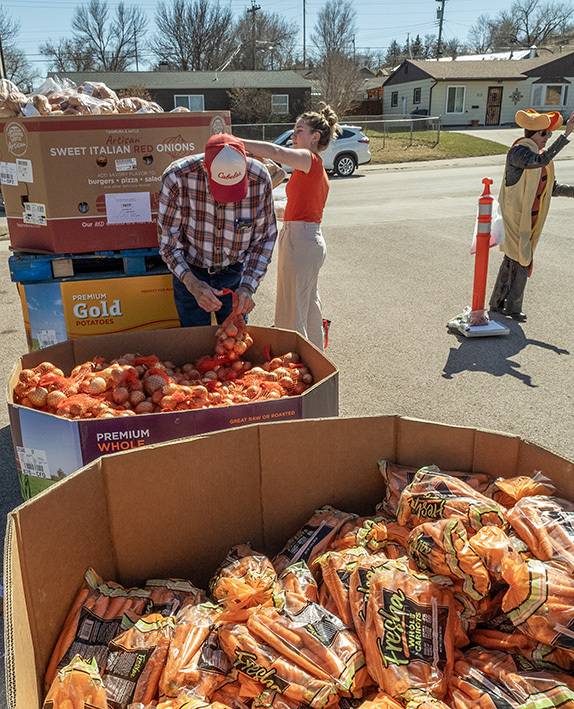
x=63 y=98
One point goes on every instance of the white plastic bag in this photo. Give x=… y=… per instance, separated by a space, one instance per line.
x=496 y=228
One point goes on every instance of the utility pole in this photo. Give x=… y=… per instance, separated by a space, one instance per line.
x=2 y=63
x=440 y=17
x=304 y=33
x=253 y=9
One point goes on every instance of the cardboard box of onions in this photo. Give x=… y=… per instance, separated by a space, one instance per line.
x=84 y=398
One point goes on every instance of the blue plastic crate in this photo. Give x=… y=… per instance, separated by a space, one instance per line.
x=37 y=268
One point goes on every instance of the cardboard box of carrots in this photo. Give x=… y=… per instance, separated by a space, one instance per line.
x=380 y=562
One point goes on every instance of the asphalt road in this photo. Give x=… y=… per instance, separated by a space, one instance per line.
x=398 y=268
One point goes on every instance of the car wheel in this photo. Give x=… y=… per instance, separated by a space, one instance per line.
x=344 y=165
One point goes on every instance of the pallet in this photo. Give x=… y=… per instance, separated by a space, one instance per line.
x=35 y=268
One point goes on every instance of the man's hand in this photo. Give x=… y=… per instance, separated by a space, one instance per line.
x=205 y=295
x=569 y=125
x=246 y=302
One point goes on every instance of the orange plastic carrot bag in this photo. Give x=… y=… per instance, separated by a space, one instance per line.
x=319 y=642
x=492 y=545
x=297 y=578
x=442 y=547
x=100 y=611
x=433 y=496
x=78 y=685
x=168 y=595
x=499 y=633
x=336 y=569
x=507 y=491
x=256 y=660
x=540 y=601
x=136 y=660
x=244 y=581
x=313 y=538
x=410 y=631
x=476 y=683
x=397 y=477
x=546 y=524
x=359 y=591
x=367 y=532
x=472 y=611
x=193 y=626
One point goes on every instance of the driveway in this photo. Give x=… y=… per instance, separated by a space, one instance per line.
x=499 y=134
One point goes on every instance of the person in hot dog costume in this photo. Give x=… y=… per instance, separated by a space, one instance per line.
x=524 y=199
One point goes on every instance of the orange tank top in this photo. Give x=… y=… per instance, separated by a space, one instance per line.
x=307 y=193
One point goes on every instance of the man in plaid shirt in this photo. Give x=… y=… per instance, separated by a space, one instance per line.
x=216 y=229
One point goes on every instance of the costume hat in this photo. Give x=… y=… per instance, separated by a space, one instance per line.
x=226 y=165
x=534 y=121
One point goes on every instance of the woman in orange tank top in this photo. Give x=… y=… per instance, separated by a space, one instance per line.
x=301 y=247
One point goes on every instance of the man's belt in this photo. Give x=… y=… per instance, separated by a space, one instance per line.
x=215 y=269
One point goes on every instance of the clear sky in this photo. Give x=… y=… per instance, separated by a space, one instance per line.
x=378 y=21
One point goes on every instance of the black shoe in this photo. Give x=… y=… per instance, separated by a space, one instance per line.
x=520 y=317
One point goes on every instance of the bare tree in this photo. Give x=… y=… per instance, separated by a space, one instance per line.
x=267 y=41
x=113 y=41
x=339 y=83
x=193 y=35
x=335 y=28
x=527 y=23
x=18 y=68
x=538 y=22
x=339 y=79
x=100 y=42
x=68 y=55
x=250 y=105
x=480 y=35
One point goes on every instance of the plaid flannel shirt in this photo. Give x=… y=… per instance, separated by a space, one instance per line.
x=195 y=230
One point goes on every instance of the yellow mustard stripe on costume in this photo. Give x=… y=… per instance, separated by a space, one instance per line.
x=537 y=593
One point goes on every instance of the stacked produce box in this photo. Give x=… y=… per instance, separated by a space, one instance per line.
x=80 y=171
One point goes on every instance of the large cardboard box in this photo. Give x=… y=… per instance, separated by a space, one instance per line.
x=176 y=508
x=49 y=447
x=65 y=310
x=74 y=184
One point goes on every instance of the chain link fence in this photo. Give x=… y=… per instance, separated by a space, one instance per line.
x=373 y=126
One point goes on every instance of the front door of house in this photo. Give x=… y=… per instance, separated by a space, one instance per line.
x=493 y=106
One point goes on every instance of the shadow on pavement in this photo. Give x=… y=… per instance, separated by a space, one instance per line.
x=493 y=355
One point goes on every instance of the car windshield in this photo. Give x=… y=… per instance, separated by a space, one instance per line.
x=282 y=139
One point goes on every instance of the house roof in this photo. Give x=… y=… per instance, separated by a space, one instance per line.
x=191 y=80
x=514 y=69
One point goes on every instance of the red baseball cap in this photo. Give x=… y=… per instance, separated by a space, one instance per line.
x=226 y=165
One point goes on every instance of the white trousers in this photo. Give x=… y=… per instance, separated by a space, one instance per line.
x=301 y=252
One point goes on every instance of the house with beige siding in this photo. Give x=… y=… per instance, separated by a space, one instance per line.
x=482 y=92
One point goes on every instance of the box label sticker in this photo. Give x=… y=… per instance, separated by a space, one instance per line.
x=34 y=213
x=9 y=173
x=25 y=173
x=128 y=208
x=33 y=462
x=126 y=164
x=46 y=338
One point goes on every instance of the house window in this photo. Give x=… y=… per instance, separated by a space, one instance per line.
x=394 y=99
x=455 y=96
x=416 y=95
x=280 y=103
x=193 y=102
x=545 y=95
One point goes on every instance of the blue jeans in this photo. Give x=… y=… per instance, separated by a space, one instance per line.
x=188 y=310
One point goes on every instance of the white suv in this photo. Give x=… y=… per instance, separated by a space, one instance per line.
x=343 y=155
